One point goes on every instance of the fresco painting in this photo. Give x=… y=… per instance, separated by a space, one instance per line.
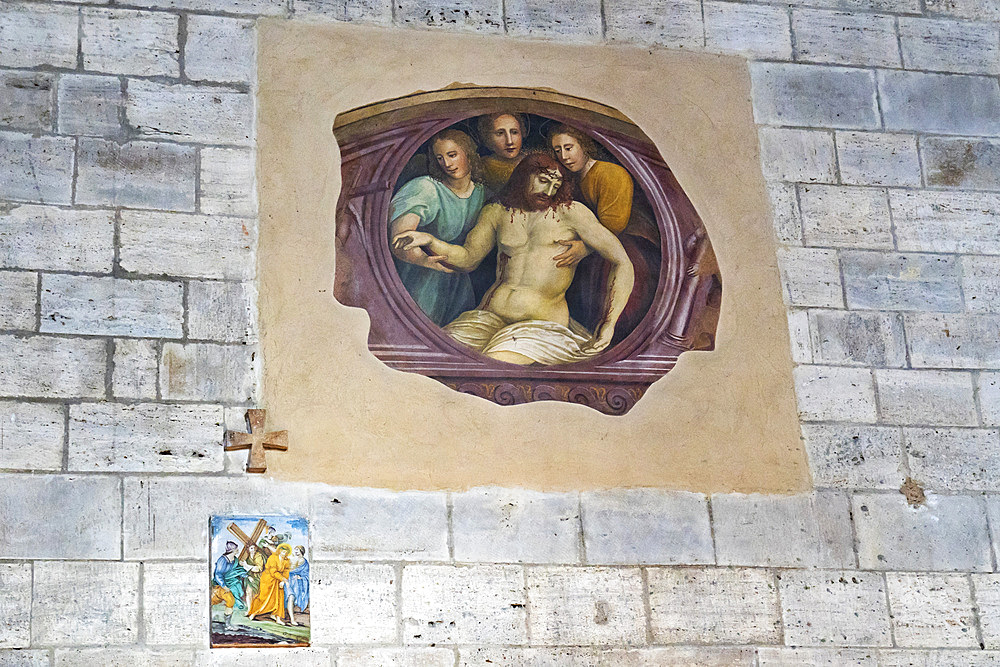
x=259 y=581
x=536 y=245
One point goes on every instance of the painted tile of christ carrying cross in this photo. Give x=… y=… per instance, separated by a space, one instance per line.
x=257 y=440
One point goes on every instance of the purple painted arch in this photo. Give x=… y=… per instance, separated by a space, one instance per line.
x=376 y=142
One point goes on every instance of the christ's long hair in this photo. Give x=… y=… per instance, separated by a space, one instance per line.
x=515 y=193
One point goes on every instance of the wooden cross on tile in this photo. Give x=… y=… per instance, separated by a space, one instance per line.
x=247 y=540
x=257 y=440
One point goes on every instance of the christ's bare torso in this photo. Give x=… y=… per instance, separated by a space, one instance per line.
x=529 y=285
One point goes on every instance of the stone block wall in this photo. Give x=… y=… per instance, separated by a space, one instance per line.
x=128 y=340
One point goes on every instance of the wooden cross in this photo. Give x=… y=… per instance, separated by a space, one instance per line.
x=248 y=540
x=257 y=440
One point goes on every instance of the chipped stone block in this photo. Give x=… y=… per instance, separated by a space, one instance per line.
x=947 y=533
x=966 y=222
x=182 y=112
x=15 y=605
x=148 y=437
x=942 y=103
x=222 y=311
x=893 y=281
x=32 y=34
x=85 y=603
x=36 y=168
x=878 y=158
x=854 y=338
x=135 y=368
x=845 y=217
x=675 y=23
x=395 y=657
x=951 y=46
x=833 y=393
x=630 y=526
x=194 y=246
x=27 y=100
x=379 y=525
x=227 y=182
x=816 y=657
x=32 y=436
x=219 y=48
x=264 y=657
x=754 y=30
x=987 y=596
x=799 y=336
x=124 y=41
x=839 y=608
x=17 y=300
x=854 y=456
x=713 y=606
x=515 y=526
x=444 y=604
x=90 y=105
x=131 y=656
x=579 y=20
x=988 y=386
x=955 y=458
x=377 y=12
x=175 y=606
x=484 y=16
x=49 y=367
x=99 y=306
x=975 y=10
x=810 y=277
x=785 y=211
x=24 y=658
x=784 y=531
x=586 y=606
x=263 y=7
x=814 y=96
x=931 y=610
x=805 y=156
x=139 y=174
x=845 y=38
x=167 y=517
x=926 y=397
x=953 y=341
x=957 y=162
x=208 y=372
x=938 y=658
x=353 y=603
x=681 y=656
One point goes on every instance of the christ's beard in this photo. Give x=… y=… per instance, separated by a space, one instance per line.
x=538 y=201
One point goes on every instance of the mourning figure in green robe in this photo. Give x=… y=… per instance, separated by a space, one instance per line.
x=445 y=204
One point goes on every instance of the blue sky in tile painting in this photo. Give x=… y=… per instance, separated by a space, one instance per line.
x=297 y=527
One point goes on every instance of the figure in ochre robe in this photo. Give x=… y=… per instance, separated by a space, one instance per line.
x=271 y=596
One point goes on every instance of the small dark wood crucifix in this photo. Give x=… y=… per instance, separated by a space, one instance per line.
x=257 y=440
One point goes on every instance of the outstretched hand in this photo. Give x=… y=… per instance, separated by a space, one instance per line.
x=414 y=240
x=411 y=240
x=574 y=252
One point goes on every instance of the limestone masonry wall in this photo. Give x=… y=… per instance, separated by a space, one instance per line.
x=127 y=343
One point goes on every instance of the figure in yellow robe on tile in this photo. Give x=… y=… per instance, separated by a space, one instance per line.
x=270 y=598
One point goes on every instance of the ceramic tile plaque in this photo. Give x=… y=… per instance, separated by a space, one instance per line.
x=259 y=581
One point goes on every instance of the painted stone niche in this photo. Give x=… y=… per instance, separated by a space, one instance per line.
x=394 y=159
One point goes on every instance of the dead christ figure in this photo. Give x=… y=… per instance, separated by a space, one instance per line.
x=523 y=318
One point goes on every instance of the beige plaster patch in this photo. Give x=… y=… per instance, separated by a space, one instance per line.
x=720 y=421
